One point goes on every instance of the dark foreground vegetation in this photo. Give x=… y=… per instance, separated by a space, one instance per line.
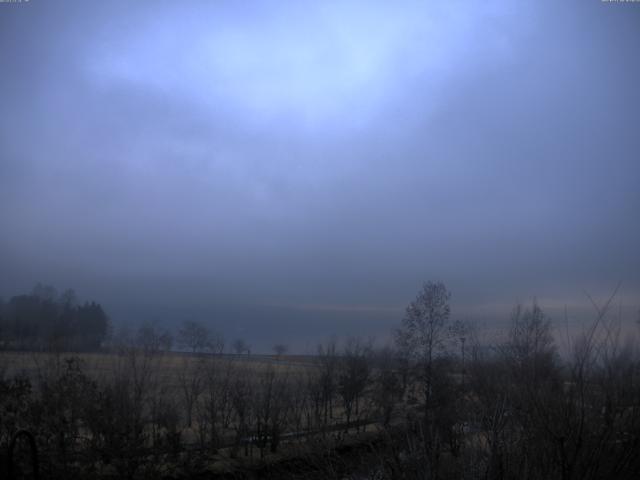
x=439 y=404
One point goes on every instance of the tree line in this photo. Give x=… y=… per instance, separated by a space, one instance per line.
x=44 y=320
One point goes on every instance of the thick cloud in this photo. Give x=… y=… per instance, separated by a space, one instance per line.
x=297 y=169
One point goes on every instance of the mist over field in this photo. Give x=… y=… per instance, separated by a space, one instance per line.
x=298 y=169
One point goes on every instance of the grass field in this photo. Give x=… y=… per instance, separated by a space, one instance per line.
x=97 y=364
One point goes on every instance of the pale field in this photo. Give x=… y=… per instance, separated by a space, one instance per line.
x=167 y=367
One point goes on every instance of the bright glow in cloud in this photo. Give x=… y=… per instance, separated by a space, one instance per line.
x=313 y=63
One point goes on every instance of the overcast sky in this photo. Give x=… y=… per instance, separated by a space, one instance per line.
x=296 y=169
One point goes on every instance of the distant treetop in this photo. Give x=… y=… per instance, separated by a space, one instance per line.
x=45 y=320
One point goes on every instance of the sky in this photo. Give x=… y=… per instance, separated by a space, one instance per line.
x=296 y=169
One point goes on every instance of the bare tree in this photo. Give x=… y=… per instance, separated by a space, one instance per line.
x=194 y=336
x=240 y=346
x=423 y=335
x=191 y=381
x=216 y=343
x=424 y=331
x=327 y=354
x=354 y=376
x=121 y=412
x=388 y=388
x=215 y=409
x=280 y=349
x=150 y=338
x=241 y=397
x=531 y=348
x=271 y=406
